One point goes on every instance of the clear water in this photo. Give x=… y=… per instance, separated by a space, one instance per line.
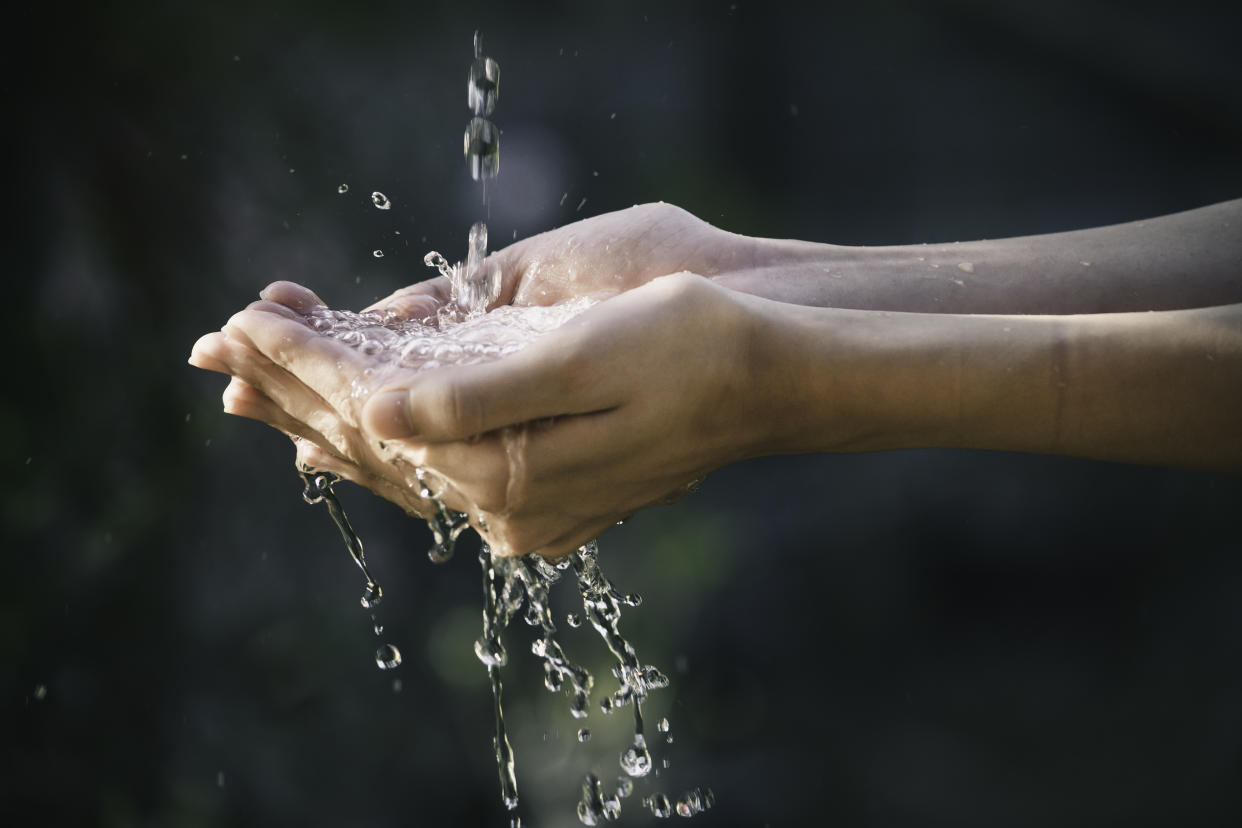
x=464 y=332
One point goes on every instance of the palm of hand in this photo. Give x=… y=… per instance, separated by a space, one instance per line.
x=287 y=375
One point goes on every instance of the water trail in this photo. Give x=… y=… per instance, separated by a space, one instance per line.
x=491 y=652
x=463 y=333
x=317 y=488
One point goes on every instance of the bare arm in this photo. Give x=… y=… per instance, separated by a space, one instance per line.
x=1184 y=260
x=1160 y=387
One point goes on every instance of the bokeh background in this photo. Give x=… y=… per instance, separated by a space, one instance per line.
x=918 y=638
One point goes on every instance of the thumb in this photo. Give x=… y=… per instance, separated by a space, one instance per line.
x=454 y=403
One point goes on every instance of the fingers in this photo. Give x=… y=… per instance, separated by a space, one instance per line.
x=417 y=301
x=321 y=363
x=291 y=295
x=546 y=379
x=206 y=353
x=242 y=399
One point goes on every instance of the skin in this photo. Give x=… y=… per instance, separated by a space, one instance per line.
x=714 y=347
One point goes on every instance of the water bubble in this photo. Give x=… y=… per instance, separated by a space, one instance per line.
x=584 y=735
x=377 y=253
x=387 y=657
x=573 y=620
x=662 y=726
x=344 y=188
x=380 y=200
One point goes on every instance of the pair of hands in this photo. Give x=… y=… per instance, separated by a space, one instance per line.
x=622 y=407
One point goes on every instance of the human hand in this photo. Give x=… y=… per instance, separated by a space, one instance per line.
x=317 y=407
x=599 y=257
x=622 y=407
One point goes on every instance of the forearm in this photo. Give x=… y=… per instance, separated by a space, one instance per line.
x=1162 y=388
x=1185 y=260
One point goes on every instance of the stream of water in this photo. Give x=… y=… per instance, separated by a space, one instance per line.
x=464 y=332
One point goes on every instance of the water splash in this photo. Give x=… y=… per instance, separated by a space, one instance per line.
x=460 y=334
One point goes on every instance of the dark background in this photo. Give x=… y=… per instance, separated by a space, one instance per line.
x=915 y=638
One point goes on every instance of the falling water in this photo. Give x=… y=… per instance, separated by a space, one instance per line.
x=464 y=333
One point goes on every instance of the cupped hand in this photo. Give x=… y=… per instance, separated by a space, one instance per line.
x=623 y=407
x=600 y=256
x=285 y=374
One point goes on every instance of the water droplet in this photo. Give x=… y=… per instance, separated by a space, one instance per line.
x=380 y=200
x=344 y=188
x=219 y=779
x=584 y=735
x=490 y=651
x=659 y=805
x=372 y=596
x=636 y=760
x=397 y=686
x=605 y=705
x=581 y=204
x=481 y=146
x=662 y=726
x=625 y=786
x=1085 y=264
x=573 y=620
x=379 y=629
x=40 y=692
x=966 y=267
x=483 y=87
x=387 y=657
x=377 y=253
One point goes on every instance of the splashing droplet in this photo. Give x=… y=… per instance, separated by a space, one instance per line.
x=380 y=200
x=377 y=253
x=659 y=805
x=636 y=760
x=372 y=596
x=387 y=657
x=344 y=188
x=662 y=725
x=584 y=735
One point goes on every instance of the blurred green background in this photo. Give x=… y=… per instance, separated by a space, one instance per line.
x=915 y=638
